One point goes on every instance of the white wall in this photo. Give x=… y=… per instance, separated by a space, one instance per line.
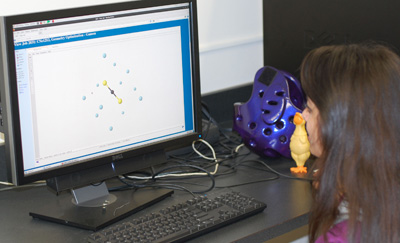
x=230 y=36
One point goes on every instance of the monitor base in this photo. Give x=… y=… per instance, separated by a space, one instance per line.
x=63 y=211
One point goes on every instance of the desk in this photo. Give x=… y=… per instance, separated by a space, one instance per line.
x=288 y=203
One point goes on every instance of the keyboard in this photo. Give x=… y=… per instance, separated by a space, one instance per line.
x=183 y=221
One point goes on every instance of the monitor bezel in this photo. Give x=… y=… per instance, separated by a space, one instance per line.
x=15 y=132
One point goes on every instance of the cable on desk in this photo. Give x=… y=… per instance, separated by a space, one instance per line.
x=209 y=174
x=182 y=174
x=249 y=182
x=274 y=171
x=281 y=174
x=228 y=155
x=161 y=174
x=206 y=112
x=150 y=184
x=226 y=150
x=231 y=169
x=152 y=180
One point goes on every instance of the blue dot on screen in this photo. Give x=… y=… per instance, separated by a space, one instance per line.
x=97 y=115
x=101 y=107
x=104 y=55
x=140 y=98
x=83 y=97
x=110 y=128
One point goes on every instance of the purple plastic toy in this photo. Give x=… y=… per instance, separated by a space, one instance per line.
x=265 y=122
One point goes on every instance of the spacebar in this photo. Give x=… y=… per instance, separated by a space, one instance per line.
x=174 y=236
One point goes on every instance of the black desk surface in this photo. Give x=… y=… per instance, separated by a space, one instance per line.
x=288 y=203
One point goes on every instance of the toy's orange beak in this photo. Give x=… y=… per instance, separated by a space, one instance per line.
x=298 y=119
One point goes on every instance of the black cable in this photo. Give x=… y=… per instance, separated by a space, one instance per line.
x=190 y=166
x=249 y=182
x=278 y=173
x=206 y=112
x=150 y=184
x=228 y=158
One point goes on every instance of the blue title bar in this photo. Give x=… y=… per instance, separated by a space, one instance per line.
x=97 y=34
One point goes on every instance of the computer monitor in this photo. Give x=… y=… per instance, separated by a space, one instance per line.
x=292 y=27
x=95 y=92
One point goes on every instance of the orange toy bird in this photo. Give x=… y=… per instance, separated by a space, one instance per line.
x=299 y=144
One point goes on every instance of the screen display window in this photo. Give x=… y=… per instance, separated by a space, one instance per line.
x=94 y=85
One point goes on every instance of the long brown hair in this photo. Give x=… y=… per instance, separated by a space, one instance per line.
x=356 y=89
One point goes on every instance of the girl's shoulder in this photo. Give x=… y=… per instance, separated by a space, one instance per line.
x=336 y=234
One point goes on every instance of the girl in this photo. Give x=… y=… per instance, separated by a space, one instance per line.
x=353 y=121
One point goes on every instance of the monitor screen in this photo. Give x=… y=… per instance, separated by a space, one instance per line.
x=84 y=89
x=94 y=85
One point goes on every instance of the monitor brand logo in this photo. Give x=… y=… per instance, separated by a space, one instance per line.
x=117 y=157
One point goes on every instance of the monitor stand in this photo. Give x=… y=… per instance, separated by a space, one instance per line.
x=100 y=209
